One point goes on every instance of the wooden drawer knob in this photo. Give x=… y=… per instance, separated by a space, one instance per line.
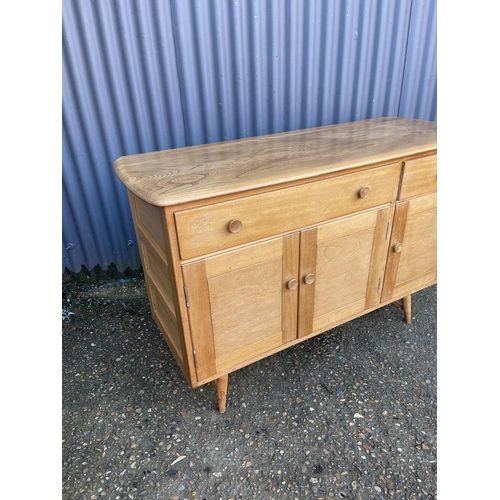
x=364 y=192
x=234 y=226
x=292 y=284
x=309 y=279
x=397 y=247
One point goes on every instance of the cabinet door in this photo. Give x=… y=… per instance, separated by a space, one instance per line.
x=412 y=259
x=341 y=269
x=242 y=304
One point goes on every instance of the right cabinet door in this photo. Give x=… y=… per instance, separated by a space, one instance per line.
x=412 y=257
x=341 y=269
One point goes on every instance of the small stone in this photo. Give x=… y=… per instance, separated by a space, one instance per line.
x=358 y=415
x=424 y=446
x=377 y=489
x=178 y=459
x=313 y=480
x=354 y=485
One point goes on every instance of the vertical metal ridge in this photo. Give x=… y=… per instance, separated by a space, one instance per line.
x=418 y=96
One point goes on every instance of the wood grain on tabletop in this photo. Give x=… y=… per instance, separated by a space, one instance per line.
x=165 y=178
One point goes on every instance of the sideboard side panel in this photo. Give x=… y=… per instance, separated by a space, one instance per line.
x=152 y=237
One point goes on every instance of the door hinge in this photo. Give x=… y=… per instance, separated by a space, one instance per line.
x=387 y=231
x=186 y=296
x=195 y=359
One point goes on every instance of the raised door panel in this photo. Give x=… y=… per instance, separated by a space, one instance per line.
x=239 y=304
x=347 y=257
x=412 y=260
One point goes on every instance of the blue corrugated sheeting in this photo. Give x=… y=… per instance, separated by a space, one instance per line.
x=147 y=75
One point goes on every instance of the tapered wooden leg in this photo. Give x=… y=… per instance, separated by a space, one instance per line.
x=407 y=308
x=220 y=385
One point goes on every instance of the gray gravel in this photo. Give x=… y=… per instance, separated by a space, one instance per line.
x=348 y=414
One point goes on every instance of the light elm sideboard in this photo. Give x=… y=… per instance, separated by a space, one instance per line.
x=253 y=245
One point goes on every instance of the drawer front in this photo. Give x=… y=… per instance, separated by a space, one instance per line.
x=419 y=177
x=220 y=226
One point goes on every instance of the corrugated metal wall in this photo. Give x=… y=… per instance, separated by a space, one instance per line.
x=144 y=75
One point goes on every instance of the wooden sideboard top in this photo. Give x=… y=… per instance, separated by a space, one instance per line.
x=180 y=175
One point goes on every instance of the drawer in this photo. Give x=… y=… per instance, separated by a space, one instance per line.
x=216 y=227
x=419 y=177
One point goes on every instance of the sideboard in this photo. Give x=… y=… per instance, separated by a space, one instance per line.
x=253 y=245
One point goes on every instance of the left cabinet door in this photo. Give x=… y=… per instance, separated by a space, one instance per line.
x=242 y=304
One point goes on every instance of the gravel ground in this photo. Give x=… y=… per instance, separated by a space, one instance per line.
x=348 y=414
